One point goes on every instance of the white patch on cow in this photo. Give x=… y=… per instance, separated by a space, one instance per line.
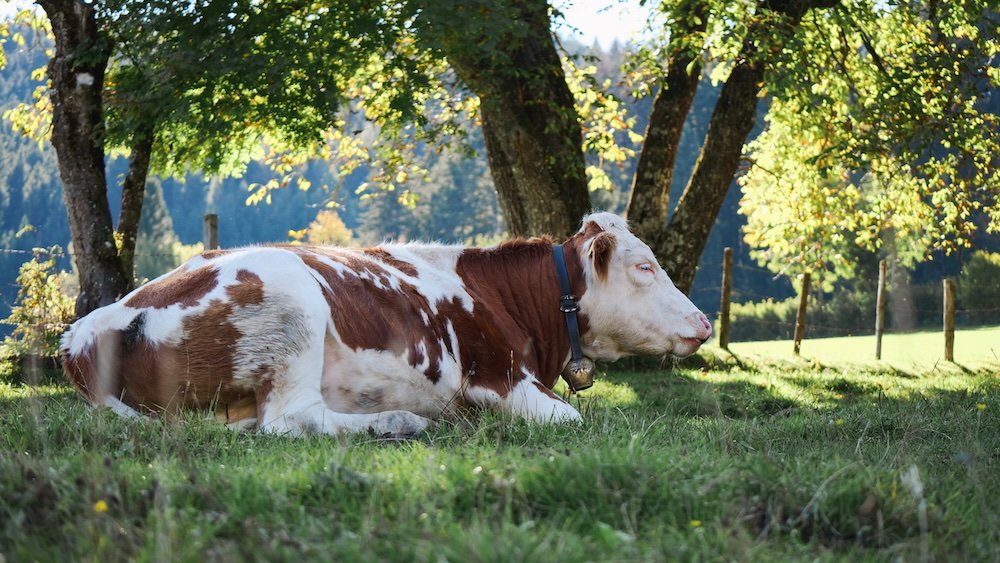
x=452 y=337
x=83 y=331
x=387 y=377
x=301 y=414
x=425 y=362
x=280 y=327
x=437 y=279
x=338 y=267
x=525 y=400
x=295 y=404
x=118 y=407
x=165 y=326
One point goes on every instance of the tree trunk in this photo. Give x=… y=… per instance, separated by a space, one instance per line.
x=77 y=74
x=502 y=171
x=505 y=52
x=539 y=178
x=732 y=119
x=681 y=241
x=649 y=200
x=133 y=192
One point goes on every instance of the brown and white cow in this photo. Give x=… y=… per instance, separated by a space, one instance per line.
x=296 y=338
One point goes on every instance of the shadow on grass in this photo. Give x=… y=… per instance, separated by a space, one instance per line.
x=718 y=383
x=31 y=370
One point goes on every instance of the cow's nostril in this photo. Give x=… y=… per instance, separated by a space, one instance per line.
x=705 y=331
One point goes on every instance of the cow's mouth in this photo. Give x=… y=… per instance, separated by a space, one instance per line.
x=687 y=346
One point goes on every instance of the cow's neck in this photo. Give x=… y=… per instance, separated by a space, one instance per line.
x=517 y=280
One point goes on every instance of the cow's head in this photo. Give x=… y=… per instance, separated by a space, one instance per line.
x=631 y=305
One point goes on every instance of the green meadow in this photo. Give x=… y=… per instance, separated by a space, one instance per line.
x=746 y=457
x=918 y=352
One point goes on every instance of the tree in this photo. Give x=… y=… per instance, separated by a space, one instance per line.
x=200 y=86
x=210 y=85
x=504 y=51
x=894 y=151
x=76 y=72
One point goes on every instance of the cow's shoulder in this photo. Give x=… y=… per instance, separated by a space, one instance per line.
x=431 y=257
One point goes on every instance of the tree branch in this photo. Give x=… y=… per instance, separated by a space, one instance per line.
x=649 y=199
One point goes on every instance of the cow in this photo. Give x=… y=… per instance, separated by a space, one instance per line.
x=300 y=339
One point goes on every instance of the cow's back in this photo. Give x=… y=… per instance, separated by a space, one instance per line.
x=201 y=335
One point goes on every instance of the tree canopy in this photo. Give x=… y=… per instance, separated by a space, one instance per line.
x=877 y=131
x=880 y=137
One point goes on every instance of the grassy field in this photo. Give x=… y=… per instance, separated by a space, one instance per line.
x=753 y=459
x=919 y=352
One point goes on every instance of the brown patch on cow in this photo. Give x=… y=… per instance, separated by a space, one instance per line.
x=248 y=289
x=602 y=250
x=387 y=258
x=81 y=372
x=516 y=293
x=590 y=229
x=371 y=317
x=209 y=344
x=157 y=377
x=262 y=392
x=548 y=392
x=214 y=253
x=242 y=409
x=185 y=288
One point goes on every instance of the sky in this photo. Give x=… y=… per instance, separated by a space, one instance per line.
x=602 y=20
x=588 y=20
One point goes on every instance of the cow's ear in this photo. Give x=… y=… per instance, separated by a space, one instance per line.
x=590 y=229
x=602 y=248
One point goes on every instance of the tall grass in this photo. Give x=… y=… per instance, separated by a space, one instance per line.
x=733 y=460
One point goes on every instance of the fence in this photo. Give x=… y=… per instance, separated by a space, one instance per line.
x=947 y=311
x=210 y=239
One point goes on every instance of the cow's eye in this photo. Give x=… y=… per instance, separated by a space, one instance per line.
x=646 y=267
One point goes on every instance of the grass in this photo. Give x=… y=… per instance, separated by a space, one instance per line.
x=754 y=459
x=976 y=349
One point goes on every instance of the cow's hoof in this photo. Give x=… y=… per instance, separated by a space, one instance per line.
x=400 y=425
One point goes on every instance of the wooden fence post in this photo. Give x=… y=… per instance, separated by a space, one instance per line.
x=210 y=231
x=800 y=317
x=949 y=319
x=880 y=310
x=727 y=290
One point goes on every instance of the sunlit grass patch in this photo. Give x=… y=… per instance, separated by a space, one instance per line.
x=603 y=394
x=16 y=391
x=911 y=353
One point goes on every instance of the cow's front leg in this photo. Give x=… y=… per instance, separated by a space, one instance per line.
x=526 y=398
x=291 y=401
